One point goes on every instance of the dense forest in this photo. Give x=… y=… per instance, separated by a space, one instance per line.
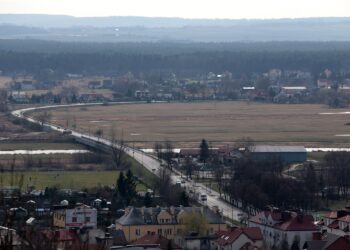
x=182 y=59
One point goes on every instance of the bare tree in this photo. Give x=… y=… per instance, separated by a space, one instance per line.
x=3 y=100
x=158 y=149
x=219 y=174
x=44 y=117
x=168 y=154
x=117 y=149
x=99 y=133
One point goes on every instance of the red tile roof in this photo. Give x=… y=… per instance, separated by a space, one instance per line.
x=155 y=239
x=248 y=246
x=228 y=237
x=331 y=215
x=345 y=219
x=293 y=222
x=334 y=225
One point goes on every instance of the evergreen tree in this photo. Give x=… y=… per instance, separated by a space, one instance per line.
x=148 y=200
x=204 y=151
x=130 y=186
x=121 y=186
x=170 y=245
x=184 y=199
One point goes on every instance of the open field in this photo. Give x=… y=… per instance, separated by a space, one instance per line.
x=64 y=179
x=186 y=124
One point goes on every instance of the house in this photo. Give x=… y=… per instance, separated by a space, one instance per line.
x=155 y=239
x=10 y=239
x=107 y=83
x=293 y=89
x=324 y=83
x=337 y=222
x=138 y=247
x=189 y=152
x=240 y=238
x=229 y=154
x=194 y=241
x=328 y=241
x=94 y=85
x=278 y=226
x=54 y=239
x=142 y=94
x=93 y=97
x=166 y=221
x=27 y=85
x=19 y=97
x=74 y=216
x=285 y=154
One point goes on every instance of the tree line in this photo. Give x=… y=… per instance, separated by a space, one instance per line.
x=187 y=62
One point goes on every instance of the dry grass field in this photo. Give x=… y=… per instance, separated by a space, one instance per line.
x=186 y=124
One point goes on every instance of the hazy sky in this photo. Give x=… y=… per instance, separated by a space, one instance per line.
x=182 y=8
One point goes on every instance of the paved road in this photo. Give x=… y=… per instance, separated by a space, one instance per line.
x=149 y=162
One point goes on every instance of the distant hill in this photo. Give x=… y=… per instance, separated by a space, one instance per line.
x=124 y=29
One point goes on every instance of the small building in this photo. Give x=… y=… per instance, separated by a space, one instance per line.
x=74 y=216
x=285 y=154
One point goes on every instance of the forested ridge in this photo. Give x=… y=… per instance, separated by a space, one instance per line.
x=183 y=59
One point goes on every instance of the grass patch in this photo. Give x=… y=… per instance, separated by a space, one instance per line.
x=145 y=176
x=64 y=179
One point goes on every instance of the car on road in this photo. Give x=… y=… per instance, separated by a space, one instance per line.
x=66 y=132
x=203 y=197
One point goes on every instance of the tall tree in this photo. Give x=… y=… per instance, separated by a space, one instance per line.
x=204 y=151
x=169 y=153
x=121 y=186
x=130 y=186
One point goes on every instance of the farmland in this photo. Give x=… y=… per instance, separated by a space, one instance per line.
x=185 y=124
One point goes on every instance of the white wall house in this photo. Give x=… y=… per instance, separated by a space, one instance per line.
x=277 y=226
x=75 y=217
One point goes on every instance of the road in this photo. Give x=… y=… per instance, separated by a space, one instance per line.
x=152 y=164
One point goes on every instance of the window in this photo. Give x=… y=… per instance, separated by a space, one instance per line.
x=74 y=219
x=160 y=231
x=137 y=232
x=87 y=219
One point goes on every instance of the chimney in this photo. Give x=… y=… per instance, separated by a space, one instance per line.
x=143 y=212
x=172 y=210
x=316 y=236
x=341 y=213
x=285 y=215
x=300 y=217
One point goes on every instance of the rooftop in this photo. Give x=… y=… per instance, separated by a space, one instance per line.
x=277 y=149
